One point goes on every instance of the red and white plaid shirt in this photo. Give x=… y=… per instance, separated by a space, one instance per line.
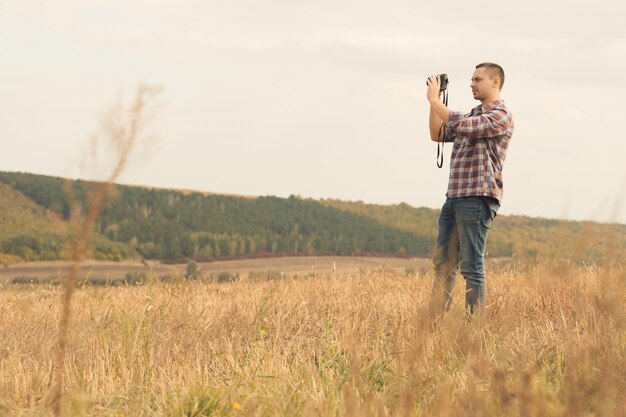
x=481 y=139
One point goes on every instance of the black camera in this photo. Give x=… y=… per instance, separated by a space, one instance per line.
x=443 y=78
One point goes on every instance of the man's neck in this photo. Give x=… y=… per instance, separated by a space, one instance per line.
x=490 y=100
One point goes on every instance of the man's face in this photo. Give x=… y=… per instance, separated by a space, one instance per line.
x=483 y=84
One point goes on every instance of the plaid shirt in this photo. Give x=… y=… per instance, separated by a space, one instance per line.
x=481 y=139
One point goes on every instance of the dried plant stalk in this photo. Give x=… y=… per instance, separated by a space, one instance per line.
x=122 y=129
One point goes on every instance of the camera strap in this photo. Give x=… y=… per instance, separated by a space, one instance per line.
x=439 y=135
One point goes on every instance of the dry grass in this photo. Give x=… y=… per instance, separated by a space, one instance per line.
x=553 y=343
x=121 y=128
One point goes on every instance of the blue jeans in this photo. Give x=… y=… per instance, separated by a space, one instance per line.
x=463 y=227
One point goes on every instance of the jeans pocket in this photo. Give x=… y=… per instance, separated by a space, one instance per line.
x=490 y=210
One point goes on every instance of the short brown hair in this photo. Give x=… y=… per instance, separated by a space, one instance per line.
x=494 y=70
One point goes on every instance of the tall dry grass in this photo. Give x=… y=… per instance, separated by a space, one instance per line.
x=121 y=131
x=552 y=343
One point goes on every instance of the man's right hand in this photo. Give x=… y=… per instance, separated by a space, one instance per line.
x=433 y=91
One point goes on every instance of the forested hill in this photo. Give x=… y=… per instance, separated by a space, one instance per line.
x=174 y=225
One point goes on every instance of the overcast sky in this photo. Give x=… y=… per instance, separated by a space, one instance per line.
x=323 y=99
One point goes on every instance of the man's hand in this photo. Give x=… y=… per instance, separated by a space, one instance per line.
x=433 y=91
x=439 y=113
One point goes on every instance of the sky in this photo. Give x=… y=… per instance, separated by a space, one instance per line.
x=321 y=99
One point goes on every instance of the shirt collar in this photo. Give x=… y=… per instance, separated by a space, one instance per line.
x=490 y=106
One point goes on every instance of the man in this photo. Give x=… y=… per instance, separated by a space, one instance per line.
x=481 y=139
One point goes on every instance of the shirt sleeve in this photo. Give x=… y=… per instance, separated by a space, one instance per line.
x=488 y=125
x=453 y=120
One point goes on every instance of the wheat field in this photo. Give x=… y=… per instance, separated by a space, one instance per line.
x=551 y=343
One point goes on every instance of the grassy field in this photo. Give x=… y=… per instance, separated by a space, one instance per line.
x=350 y=343
x=295 y=265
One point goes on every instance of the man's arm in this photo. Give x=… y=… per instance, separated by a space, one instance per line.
x=435 y=122
x=492 y=124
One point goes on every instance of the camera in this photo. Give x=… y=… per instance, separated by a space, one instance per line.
x=443 y=78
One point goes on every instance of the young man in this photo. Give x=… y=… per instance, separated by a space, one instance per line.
x=481 y=139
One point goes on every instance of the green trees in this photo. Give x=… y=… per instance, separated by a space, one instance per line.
x=171 y=225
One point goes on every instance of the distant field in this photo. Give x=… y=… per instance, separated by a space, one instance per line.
x=49 y=271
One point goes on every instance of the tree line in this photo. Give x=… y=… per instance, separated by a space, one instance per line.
x=172 y=225
x=169 y=225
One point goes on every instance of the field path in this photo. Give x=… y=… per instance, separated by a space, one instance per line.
x=54 y=270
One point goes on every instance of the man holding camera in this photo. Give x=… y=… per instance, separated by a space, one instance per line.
x=480 y=141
